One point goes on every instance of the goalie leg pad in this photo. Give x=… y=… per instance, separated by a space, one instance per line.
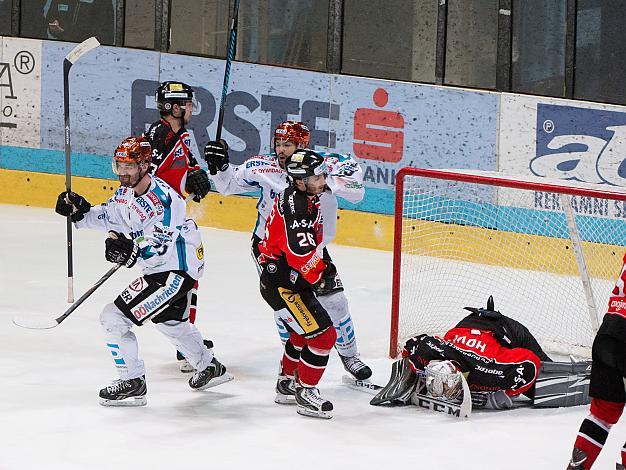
x=400 y=386
x=121 y=342
x=562 y=384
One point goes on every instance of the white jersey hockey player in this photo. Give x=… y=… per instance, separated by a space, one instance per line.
x=267 y=174
x=147 y=226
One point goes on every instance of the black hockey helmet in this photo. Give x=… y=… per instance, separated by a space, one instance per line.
x=170 y=93
x=304 y=163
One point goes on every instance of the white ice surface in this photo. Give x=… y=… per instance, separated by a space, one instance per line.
x=50 y=416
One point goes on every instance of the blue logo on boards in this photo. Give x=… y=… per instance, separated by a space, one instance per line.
x=580 y=144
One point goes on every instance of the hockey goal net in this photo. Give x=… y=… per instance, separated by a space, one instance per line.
x=548 y=251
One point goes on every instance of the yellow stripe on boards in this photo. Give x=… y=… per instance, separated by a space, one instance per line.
x=510 y=249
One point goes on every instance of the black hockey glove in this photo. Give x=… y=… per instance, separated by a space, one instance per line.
x=72 y=204
x=198 y=184
x=327 y=283
x=216 y=156
x=120 y=250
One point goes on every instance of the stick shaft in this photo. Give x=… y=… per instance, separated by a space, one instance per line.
x=232 y=41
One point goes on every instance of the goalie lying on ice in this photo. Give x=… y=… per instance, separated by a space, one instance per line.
x=497 y=356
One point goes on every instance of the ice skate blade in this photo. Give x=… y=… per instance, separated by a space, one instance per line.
x=285 y=399
x=227 y=377
x=130 y=401
x=303 y=411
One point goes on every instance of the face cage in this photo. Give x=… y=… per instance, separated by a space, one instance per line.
x=139 y=174
x=442 y=384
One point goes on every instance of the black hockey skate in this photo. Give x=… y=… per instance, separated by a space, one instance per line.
x=356 y=367
x=214 y=374
x=578 y=458
x=285 y=390
x=184 y=365
x=310 y=403
x=125 y=393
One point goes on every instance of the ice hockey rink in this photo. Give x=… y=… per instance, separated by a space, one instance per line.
x=50 y=378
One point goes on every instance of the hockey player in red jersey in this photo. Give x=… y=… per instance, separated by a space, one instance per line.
x=267 y=173
x=608 y=382
x=172 y=160
x=292 y=266
x=498 y=355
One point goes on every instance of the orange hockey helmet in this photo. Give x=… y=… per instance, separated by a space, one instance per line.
x=133 y=150
x=294 y=131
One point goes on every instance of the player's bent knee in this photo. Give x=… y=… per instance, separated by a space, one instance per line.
x=174 y=329
x=114 y=321
x=607 y=411
x=323 y=342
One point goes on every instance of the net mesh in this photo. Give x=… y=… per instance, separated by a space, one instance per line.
x=462 y=242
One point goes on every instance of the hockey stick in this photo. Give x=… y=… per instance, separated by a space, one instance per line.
x=361 y=385
x=70 y=60
x=34 y=324
x=232 y=42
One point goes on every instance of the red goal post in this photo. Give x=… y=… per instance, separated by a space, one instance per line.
x=547 y=250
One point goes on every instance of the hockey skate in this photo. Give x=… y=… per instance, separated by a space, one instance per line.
x=285 y=390
x=356 y=367
x=125 y=393
x=214 y=374
x=185 y=366
x=578 y=457
x=310 y=403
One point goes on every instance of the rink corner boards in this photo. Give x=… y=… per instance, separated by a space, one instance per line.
x=354 y=228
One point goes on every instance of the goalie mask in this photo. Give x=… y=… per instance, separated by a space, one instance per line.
x=443 y=380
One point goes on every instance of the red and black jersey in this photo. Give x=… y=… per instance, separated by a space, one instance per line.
x=293 y=232
x=171 y=154
x=614 y=322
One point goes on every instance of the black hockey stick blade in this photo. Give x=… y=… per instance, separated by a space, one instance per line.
x=46 y=324
x=82 y=49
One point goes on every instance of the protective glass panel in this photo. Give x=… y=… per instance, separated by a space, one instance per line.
x=139 y=24
x=199 y=27
x=69 y=20
x=471 y=45
x=538 y=56
x=284 y=32
x=409 y=29
x=600 y=51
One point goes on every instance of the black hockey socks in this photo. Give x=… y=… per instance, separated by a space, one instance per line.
x=291 y=355
x=314 y=357
x=591 y=438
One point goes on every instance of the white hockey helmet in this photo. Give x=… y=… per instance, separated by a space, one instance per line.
x=443 y=380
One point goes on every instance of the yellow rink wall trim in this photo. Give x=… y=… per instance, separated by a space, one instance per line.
x=354 y=228
x=508 y=249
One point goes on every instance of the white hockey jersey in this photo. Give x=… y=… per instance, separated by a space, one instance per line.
x=157 y=222
x=263 y=172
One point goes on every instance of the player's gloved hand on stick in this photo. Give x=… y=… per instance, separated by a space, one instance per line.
x=72 y=204
x=119 y=249
x=326 y=284
x=216 y=155
x=198 y=184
